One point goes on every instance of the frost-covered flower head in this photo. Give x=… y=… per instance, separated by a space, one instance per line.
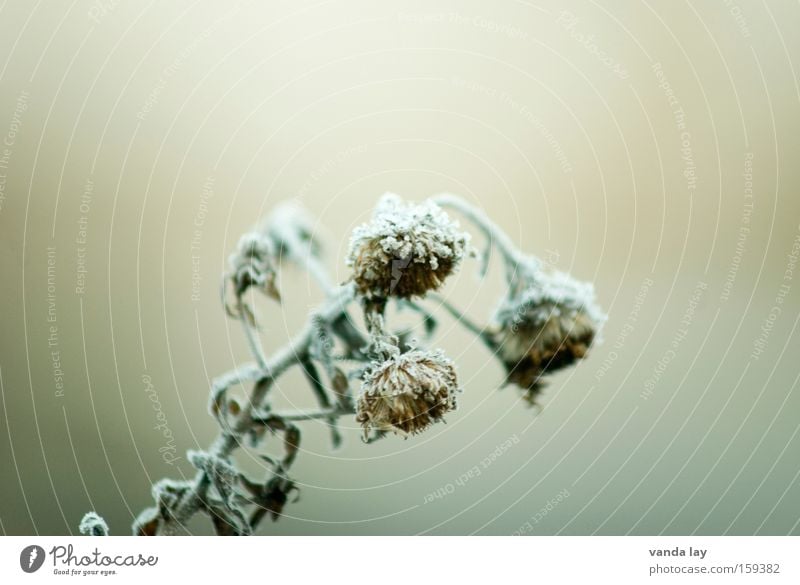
x=93 y=524
x=406 y=250
x=407 y=393
x=252 y=265
x=548 y=321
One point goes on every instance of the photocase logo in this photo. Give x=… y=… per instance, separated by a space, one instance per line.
x=31 y=558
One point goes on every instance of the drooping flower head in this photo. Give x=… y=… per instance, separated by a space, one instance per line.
x=548 y=321
x=407 y=393
x=406 y=250
x=252 y=265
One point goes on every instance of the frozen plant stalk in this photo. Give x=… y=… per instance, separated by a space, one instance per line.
x=545 y=322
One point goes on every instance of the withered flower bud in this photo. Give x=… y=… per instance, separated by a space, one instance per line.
x=252 y=265
x=545 y=326
x=407 y=393
x=406 y=250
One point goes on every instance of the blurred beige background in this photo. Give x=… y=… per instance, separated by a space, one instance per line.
x=651 y=149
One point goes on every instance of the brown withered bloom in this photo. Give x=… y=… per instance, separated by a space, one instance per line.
x=407 y=393
x=406 y=250
x=270 y=497
x=252 y=265
x=546 y=324
x=546 y=321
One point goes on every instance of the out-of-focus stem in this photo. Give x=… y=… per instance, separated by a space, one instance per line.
x=483 y=333
x=286 y=227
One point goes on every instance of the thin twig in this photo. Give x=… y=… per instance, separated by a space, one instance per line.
x=228 y=440
x=254 y=342
x=315 y=381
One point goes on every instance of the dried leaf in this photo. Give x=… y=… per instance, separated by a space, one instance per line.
x=93 y=524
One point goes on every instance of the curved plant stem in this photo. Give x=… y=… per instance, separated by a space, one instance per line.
x=483 y=333
x=229 y=439
x=327 y=340
x=254 y=341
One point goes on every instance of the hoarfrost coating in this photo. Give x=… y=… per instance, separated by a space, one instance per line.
x=406 y=249
x=547 y=321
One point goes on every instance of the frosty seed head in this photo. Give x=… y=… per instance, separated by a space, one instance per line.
x=547 y=325
x=406 y=250
x=252 y=265
x=407 y=393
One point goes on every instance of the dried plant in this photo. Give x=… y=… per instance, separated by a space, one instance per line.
x=546 y=321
